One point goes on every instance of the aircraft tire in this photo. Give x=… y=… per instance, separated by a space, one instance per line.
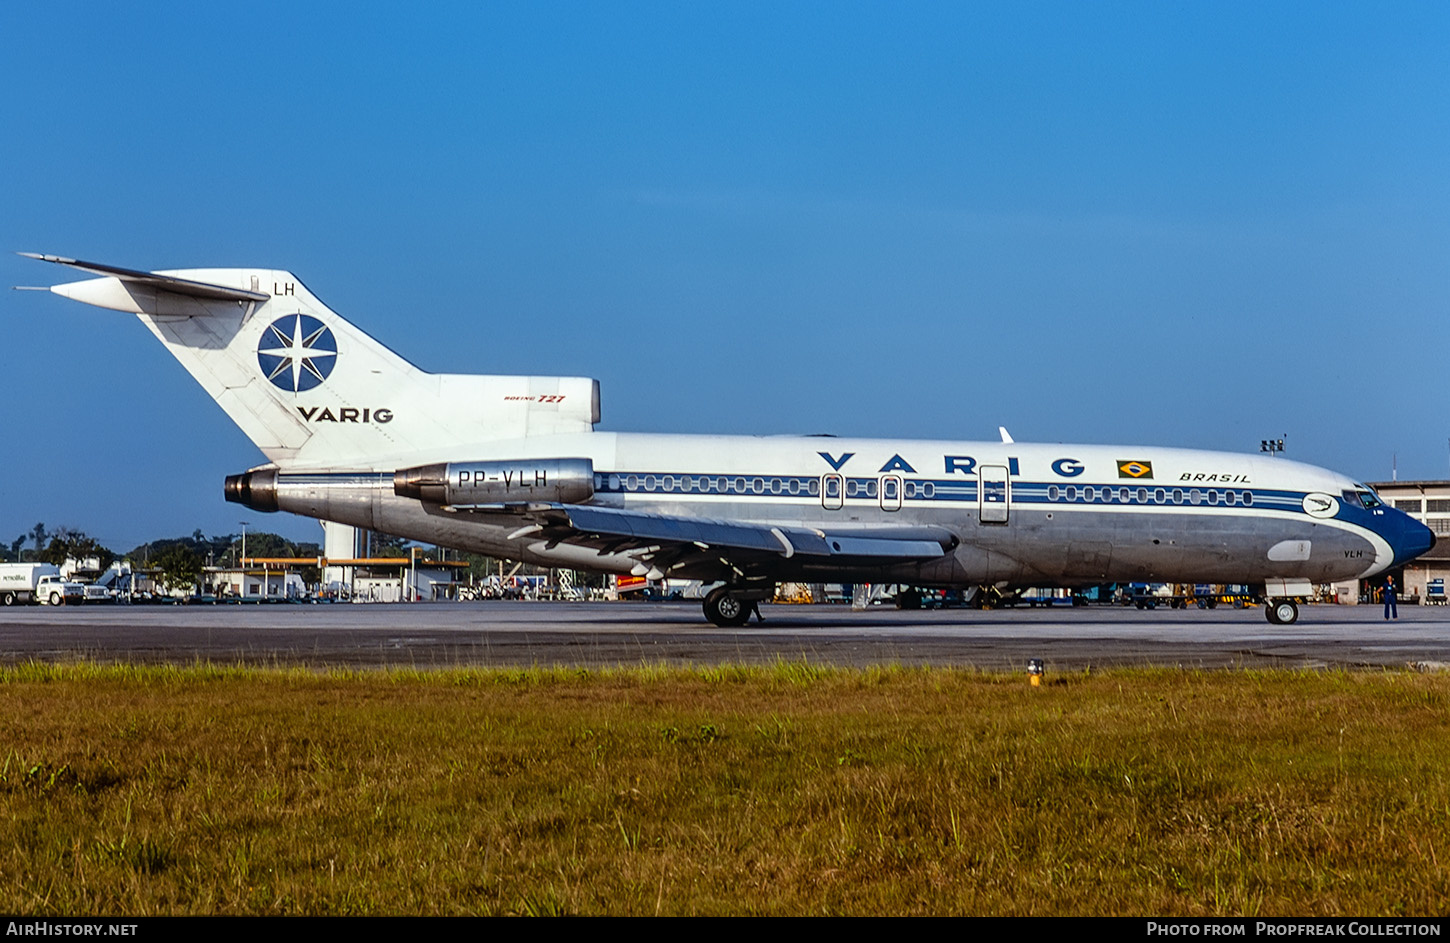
x=1282 y=611
x=908 y=599
x=725 y=610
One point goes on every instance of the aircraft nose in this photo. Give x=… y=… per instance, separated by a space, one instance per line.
x=1410 y=539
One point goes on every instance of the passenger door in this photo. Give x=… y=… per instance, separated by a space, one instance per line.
x=994 y=494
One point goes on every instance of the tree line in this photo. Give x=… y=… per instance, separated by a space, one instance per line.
x=176 y=561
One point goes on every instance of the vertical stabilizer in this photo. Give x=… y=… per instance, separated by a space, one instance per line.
x=311 y=389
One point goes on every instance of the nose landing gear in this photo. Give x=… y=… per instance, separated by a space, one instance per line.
x=1282 y=611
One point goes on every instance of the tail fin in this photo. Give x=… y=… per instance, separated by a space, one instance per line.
x=309 y=388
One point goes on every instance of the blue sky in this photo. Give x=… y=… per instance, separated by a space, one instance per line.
x=1147 y=223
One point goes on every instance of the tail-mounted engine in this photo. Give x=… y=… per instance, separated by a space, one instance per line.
x=473 y=484
x=255 y=489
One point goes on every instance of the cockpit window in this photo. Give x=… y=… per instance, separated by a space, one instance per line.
x=1367 y=497
x=1351 y=498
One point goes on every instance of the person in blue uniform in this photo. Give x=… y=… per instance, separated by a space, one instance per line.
x=1392 y=611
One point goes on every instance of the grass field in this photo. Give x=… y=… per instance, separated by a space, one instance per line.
x=782 y=790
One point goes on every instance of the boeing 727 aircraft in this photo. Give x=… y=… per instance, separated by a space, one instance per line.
x=512 y=467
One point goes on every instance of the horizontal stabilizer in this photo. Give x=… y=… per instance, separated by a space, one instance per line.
x=177 y=286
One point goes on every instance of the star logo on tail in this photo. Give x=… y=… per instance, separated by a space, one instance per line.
x=297 y=352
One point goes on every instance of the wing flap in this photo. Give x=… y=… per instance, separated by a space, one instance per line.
x=658 y=528
x=896 y=543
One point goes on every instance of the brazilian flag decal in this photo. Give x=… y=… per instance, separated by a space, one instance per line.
x=1135 y=469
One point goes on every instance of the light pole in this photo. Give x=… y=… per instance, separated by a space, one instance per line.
x=244 y=555
x=412 y=573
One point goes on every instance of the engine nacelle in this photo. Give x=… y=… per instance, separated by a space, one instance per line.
x=561 y=480
x=255 y=489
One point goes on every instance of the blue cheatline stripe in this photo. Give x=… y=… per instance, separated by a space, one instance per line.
x=914 y=490
x=923 y=491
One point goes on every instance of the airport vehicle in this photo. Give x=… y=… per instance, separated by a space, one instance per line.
x=19 y=580
x=92 y=592
x=513 y=467
x=56 y=590
x=1183 y=595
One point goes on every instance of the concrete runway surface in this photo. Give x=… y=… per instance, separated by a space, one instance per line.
x=608 y=634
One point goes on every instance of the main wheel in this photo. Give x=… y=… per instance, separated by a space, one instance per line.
x=726 y=610
x=908 y=599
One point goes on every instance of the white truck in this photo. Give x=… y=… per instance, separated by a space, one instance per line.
x=96 y=593
x=57 y=590
x=20 y=582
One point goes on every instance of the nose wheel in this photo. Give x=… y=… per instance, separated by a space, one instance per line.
x=1282 y=611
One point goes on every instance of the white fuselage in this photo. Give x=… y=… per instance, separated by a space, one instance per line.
x=1022 y=513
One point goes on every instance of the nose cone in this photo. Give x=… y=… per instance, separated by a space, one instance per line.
x=1409 y=538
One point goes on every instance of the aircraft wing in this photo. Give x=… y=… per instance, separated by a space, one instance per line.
x=787 y=540
x=671 y=541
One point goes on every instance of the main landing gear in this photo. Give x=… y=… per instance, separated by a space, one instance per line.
x=1282 y=611
x=732 y=606
x=725 y=610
